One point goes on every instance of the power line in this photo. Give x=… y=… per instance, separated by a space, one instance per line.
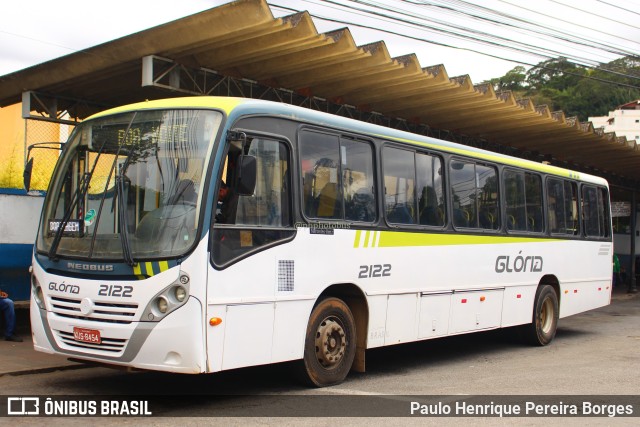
x=445 y=31
x=568 y=22
x=343 y=22
x=525 y=47
x=532 y=27
x=572 y=39
x=403 y=21
x=618 y=7
x=586 y=11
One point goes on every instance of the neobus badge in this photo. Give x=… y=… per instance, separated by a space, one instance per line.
x=89 y=267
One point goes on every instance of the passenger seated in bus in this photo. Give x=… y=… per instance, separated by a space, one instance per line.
x=361 y=207
x=429 y=211
x=324 y=188
x=400 y=214
x=228 y=205
x=185 y=193
x=327 y=201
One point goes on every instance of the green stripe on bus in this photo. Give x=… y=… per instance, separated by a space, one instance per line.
x=356 y=241
x=389 y=239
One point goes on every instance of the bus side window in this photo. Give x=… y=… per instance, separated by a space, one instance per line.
x=319 y=154
x=555 y=206
x=261 y=218
x=399 y=182
x=337 y=178
x=523 y=197
x=562 y=202
x=604 y=212
x=474 y=189
x=533 y=201
x=595 y=212
x=357 y=180
x=431 y=209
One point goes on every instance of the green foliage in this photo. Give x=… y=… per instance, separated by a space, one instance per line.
x=574 y=89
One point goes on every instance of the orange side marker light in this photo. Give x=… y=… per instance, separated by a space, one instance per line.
x=215 y=321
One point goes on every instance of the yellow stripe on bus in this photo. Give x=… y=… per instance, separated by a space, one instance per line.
x=149 y=268
x=393 y=239
x=227 y=104
x=401 y=239
x=356 y=241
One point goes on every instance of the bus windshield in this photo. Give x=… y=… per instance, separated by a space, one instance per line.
x=127 y=186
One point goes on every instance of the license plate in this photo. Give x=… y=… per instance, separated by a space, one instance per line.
x=87 y=335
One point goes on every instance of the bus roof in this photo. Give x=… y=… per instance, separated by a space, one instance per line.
x=235 y=107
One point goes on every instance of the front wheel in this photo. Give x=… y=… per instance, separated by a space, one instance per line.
x=546 y=311
x=330 y=344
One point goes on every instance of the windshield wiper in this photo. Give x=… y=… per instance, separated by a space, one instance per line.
x=122 y=219
x=122 y=213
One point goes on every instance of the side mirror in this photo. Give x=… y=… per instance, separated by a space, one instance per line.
x=246 y=173
x=26 y=175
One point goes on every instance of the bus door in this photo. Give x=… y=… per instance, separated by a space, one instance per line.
x=252 y=220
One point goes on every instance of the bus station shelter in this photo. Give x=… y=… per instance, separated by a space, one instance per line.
x=240 y=49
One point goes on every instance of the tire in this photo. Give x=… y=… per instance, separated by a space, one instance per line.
x=542 y=329
x=330 y=344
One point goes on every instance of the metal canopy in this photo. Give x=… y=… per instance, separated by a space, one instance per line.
x=243 y=41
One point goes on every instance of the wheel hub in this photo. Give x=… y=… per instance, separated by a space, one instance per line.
x=546 y=315
x=330 y=343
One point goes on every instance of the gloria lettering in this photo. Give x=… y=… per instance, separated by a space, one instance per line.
x=64 y=287
x=519 y=264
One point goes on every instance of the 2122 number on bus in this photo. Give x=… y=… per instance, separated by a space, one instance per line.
x=374 y=270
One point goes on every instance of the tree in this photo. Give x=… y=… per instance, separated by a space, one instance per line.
x=558 y=74
x=514 y=80
x=574 y=89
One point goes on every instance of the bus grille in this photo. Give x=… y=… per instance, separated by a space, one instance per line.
x=106 y=312
x=111 y=345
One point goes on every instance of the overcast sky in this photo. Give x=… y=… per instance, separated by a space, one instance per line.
x=39 y=30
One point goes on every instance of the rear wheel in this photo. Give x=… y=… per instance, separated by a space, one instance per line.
x=542 y=329
x=330 y=343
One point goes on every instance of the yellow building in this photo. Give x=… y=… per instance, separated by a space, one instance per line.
x=14 y=144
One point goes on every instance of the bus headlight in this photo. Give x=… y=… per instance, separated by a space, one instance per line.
x=180 y=293
x=38 y=295
x=162 y=305
x=167 y=300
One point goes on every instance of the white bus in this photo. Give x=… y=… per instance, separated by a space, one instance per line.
x=203 y=234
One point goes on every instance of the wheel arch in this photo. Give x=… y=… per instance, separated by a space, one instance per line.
x=356 y=300
x=552 y=280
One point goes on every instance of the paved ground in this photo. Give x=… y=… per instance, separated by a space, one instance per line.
x=21 y=358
